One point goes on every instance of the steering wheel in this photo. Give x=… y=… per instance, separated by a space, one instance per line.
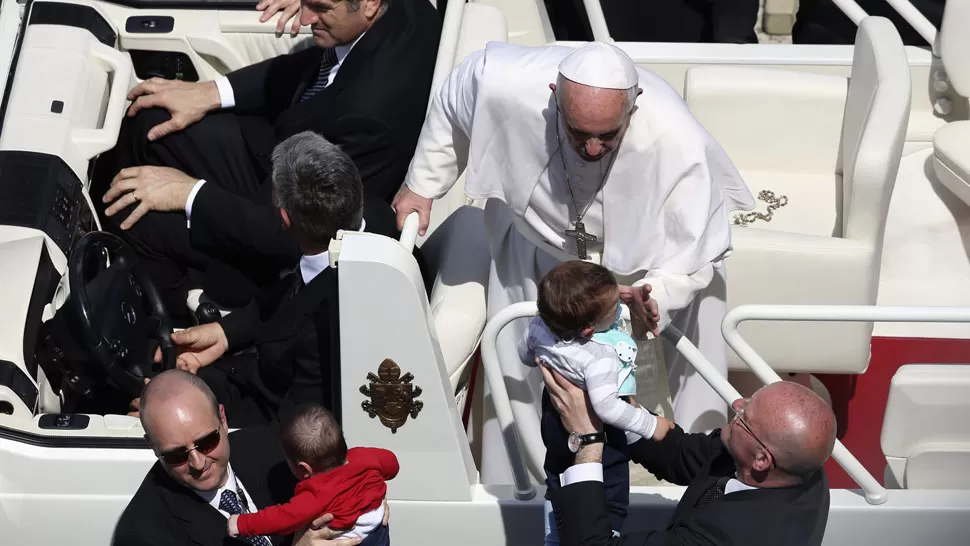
x=119 y=310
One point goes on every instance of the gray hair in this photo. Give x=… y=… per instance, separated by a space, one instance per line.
x=318 y=186
x=354 y=5
x=631 y=93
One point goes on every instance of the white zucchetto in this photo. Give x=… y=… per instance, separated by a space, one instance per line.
x=598 y=64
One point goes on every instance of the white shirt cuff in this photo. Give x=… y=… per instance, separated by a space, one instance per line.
x=226 y=96
x=190 y=200
x=585 y=472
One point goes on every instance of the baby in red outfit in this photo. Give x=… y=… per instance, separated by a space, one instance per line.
x=348 y=483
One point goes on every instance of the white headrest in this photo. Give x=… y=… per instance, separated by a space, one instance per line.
x=954 y=40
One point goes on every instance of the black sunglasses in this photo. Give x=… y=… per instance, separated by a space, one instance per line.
x=203 y=445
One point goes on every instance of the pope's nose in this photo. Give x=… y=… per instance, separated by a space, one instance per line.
x=594 y=147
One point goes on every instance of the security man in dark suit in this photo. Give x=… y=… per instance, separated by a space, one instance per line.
x=204 y=474
x=190 y=168
x=284 y=346
x=758 y=481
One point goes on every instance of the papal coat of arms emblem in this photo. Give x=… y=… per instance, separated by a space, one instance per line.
x=392 y=396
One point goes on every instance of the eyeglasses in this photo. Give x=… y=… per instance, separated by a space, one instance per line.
x=739 y=419
x=203 y=445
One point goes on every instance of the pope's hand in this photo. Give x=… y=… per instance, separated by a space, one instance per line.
x=643 y=309
x=406 y=202
x=198 y=346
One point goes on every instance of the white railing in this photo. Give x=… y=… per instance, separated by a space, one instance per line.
x=447 y=45
x=521 y=425
x=851 y=9
x=409 y=232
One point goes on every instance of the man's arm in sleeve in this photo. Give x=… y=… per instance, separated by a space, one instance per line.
x=678 y=456
x=282 y=519
x=442 y=150
x=255 y=88
x=233 y=228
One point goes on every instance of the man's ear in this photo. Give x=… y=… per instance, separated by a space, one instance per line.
x=553 y=87
x=370 y=7
x=222 y=416
x=286 y=218
x=762 y=461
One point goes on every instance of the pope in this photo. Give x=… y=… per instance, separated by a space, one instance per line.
x=581 y=154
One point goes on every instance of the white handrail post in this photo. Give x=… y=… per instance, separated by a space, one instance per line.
x=447 y=45
x=500 y=396
x=851 y=9
x=597 y=21
x=917 y=20
x=409 y=233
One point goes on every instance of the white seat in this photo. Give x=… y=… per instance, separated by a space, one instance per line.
x=951 y=143
x=951 y=158
x=832 y=145
x=459 y=253
x=925 y=432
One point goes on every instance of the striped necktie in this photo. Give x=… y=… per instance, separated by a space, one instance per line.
x=327 y=62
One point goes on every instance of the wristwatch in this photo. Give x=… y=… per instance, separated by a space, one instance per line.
x=579 y=441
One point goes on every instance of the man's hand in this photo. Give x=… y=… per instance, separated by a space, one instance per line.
x=134 y=404
x=198 y=346
x=406 y=202
x=289 y=9
x=643 y=309
x=153 y=188
x=571 y=402
x=318 y=534
x=186 y=102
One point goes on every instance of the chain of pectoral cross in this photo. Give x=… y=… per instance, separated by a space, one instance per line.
x=578 y=233
x=774 y=203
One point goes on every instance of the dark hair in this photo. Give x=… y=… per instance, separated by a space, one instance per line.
x=318 y=186
x=313 y=436
x=571 y=296
x=354 y=5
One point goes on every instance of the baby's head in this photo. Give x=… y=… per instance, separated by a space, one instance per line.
x=578 y=298
x=312 y=441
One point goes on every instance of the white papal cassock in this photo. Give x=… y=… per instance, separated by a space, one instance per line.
x=661 y=218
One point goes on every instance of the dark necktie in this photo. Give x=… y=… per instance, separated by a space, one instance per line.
x=296 y=283
x=714 y=492
x=327 y=62
x=229 y=502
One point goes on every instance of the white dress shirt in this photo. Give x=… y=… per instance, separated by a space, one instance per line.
x=312 y=265
x=593 y=472
x=228 y=99
x=232 y=484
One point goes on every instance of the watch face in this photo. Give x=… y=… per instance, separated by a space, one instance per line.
x=573 y=442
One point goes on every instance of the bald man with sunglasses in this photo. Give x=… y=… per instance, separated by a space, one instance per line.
x=204 y=474
x=757 y=481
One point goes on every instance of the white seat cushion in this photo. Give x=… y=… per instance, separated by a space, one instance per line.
x=951 y=157
x=459 y=253
x=814 y=202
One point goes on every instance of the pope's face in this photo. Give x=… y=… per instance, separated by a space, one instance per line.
x=594 y=119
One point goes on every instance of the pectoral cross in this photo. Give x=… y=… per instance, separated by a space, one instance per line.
x=581 y=237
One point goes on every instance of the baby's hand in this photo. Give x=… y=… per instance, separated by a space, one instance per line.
x=233 y=525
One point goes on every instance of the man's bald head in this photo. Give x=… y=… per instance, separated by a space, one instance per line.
x=174 y=391
x=795 y=423
x=187 y=429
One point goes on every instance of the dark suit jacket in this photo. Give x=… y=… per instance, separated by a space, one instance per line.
x=375 y=107
x=791 y=516
x=163 y=513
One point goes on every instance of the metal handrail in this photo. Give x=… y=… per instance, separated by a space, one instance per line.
x=409 y=232
x=851 y=9
x=447 y=45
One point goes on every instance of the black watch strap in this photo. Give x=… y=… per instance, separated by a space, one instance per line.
x=593 y=438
